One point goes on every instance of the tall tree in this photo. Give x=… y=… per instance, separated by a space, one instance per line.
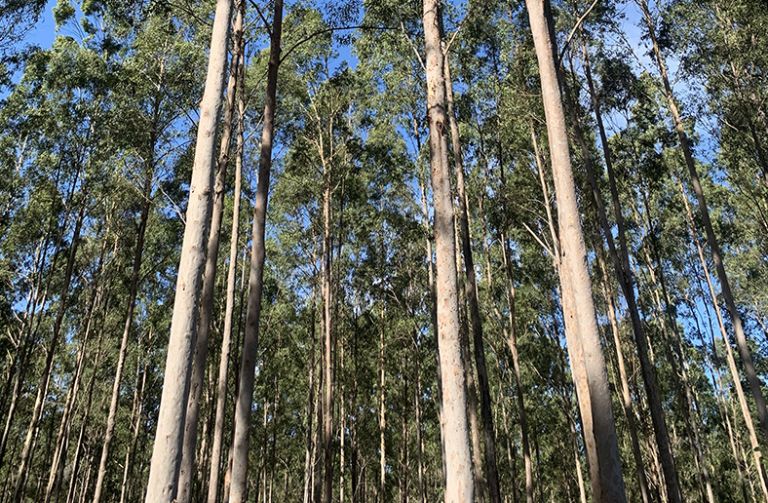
x=714 y=245
x=459 y=484
x=166 y=453
x=237 y=489
x=587 y=361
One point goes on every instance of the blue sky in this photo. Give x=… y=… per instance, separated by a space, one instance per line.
x=45 y=30
x=44 y=33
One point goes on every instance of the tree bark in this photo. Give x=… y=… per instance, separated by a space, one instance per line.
x=309 y=446
x=237 y=488
x=166 y=453
x=459 y=484
x=226 y=339
x=476 y=322
x=328 y=340
x=588 y=364
x=211 y=263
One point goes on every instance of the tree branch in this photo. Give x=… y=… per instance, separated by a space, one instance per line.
x=573 y=31
x=267 y=24
x=330 y=30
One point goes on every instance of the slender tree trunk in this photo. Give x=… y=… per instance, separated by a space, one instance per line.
x=79 y=447
x=256 y=275
x=588 y=364
x=714 y=246
x=476 y=322
x=382 y=417
x=308 y=460
x=137 y=411
x=62 y=437
x=511 y=338
x=42 y=390
x=221 y=381
x=713 y=369
x=433 y=298
x=328 y=344
x=730 y=360
x=577 y=460
x=481 y=491
x=166 y=453
x=342 y=423
x=679 y=368
x=317 y=485
x=236 y=358
x=419 y=432
x=38 y=297
x=132 y=294
x=404 y=458
x=211 y=263
x=620 y=258
x=626 y=395
x=459 y=484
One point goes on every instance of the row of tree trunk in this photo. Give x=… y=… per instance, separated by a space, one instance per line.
x=470 y=461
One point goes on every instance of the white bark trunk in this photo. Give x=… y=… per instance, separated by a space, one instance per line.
x=166 y=454
x=588 y=362
x=459 y=484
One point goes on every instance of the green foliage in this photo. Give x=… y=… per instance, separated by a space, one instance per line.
x=102 y=123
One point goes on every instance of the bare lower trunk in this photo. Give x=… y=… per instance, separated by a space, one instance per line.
x=309 y=447
x=626 y=396
x=511 y=338
x=62 y=437
x=209 y=276
x=327 y=290
x=382 y=418
x=237 y=488
x=226 y=338
x=166 y=453
x=37 y=411
x=620 y=258
x=481 y=491
x=588 y=363
x=419 y=433
x=730 y=360
x=577 y=462
x=137 y=411
x=459 y=484
x=342 y=424
x=78 y=454
x=17 y=373
x=132 y=293
x=476 y=324
x=433 y=303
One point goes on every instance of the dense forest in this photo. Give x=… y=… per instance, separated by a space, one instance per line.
x=383 y=250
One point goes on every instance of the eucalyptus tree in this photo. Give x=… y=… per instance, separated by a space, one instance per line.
x=256 y=272
x=166 y=454
x=341 y=393
x=588 y=363
x=715 y=250
x=459 y=484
